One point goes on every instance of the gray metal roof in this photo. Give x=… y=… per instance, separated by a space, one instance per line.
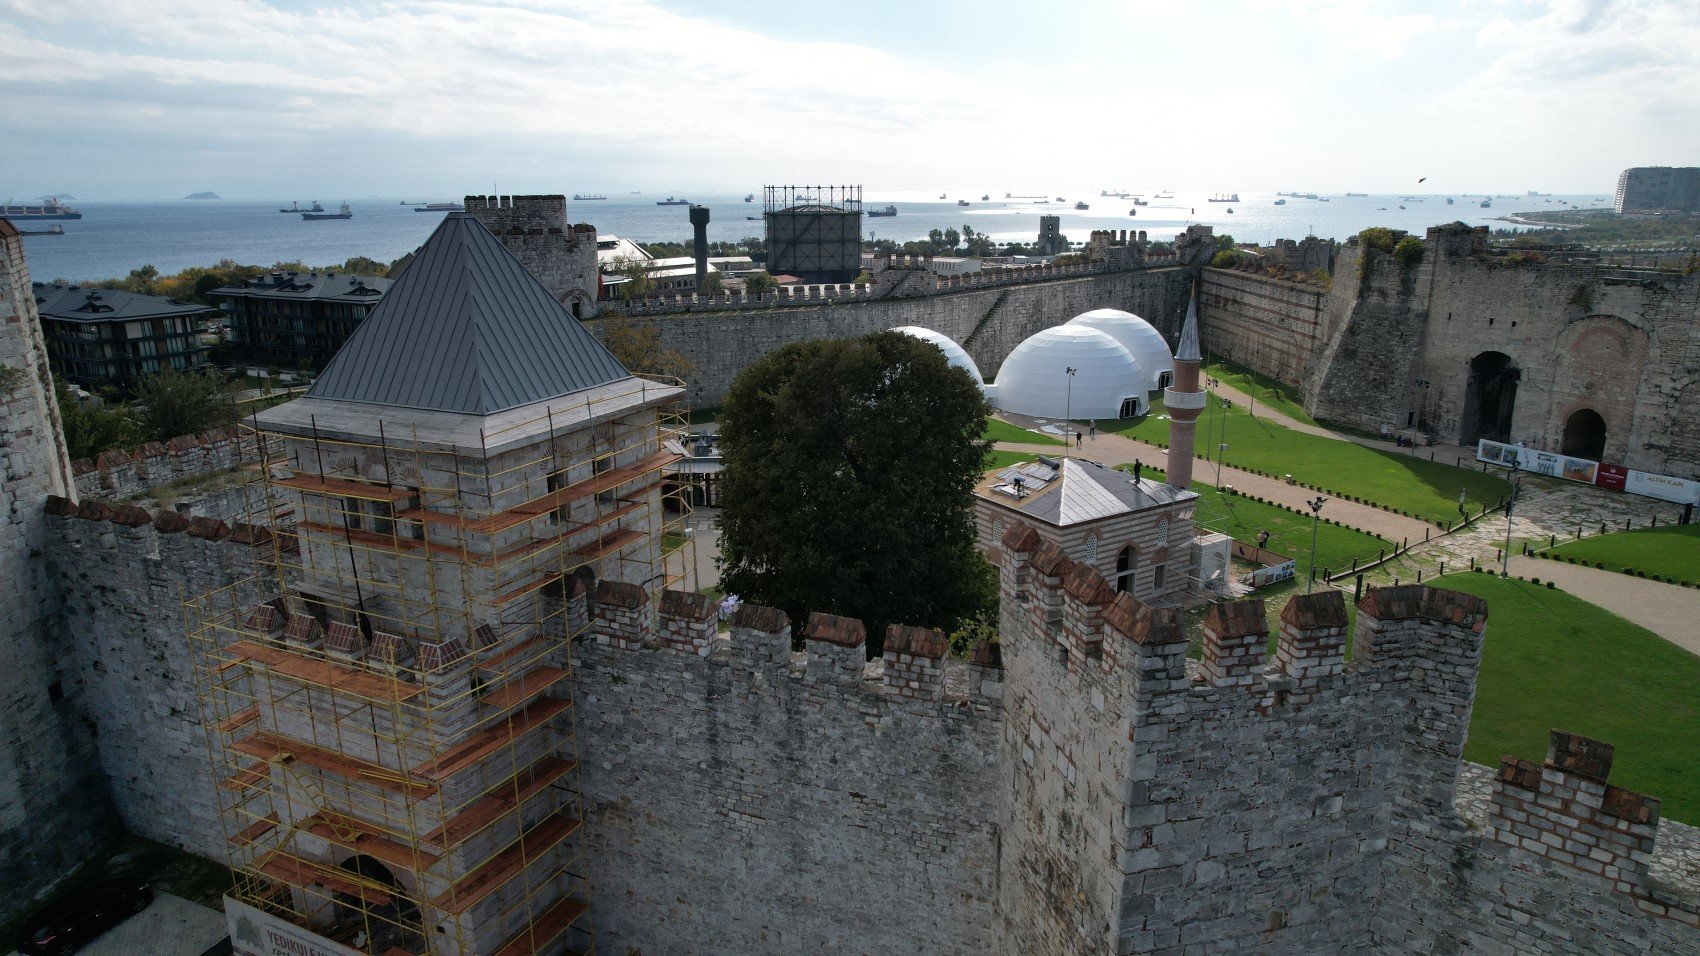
x=72 y=303
x=1188 y=350
x=1087 y=491
x=302 y=286
x=466 y=329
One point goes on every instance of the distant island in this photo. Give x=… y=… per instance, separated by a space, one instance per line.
x=207 y=195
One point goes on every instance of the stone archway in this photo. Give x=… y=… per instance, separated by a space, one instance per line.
x=1490 y=397
x=1585 y=435
x=395 y=924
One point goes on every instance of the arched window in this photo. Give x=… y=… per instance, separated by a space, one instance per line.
x=1585 y=435
x=1125 y=569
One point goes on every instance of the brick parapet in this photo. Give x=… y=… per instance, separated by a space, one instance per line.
x=1236 y=640
x=120 y=473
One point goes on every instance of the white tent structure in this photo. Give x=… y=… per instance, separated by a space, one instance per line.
x=953 y=353
x=1107 y=382
x=1140 y=338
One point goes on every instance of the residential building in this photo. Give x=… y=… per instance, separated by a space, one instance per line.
x=295 y=318
x=104 y=337
x=1659 y=189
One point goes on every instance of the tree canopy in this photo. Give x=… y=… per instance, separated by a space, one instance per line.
x=172 y=403
x=848 y=484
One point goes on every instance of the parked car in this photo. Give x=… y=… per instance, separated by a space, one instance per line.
x=66 y=925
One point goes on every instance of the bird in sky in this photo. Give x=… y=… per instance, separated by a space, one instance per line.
x=1423 y=180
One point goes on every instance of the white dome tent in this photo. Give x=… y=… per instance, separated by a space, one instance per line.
x=1141 y=340
x=1107 y=382
x=953 y=353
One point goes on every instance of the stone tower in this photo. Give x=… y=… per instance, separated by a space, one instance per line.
x=558 y=254
x=1184 y=400
x=53 y=803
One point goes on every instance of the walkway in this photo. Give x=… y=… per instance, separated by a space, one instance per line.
x=1670 y=611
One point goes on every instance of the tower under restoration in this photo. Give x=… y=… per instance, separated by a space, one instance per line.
x=389 y=692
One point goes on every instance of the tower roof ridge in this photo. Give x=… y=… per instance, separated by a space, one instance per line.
x=1188 y=350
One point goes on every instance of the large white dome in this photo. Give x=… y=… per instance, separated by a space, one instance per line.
x=1034 y=379
x=953 y=353
x=1139 y=337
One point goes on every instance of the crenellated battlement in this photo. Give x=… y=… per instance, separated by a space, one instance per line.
x=118 y=473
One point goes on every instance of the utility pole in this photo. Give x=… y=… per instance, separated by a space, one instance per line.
x=1510 y=503
x=1068 y=411
x=1315 y=520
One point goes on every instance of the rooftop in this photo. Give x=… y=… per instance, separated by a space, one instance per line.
x=1076 y=492
x=301 y=286
x=84 y=304
x=466 y=330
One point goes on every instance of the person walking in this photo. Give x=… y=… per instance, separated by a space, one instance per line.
x=1092 y=429
x=1262 y=539
x=1077 y=441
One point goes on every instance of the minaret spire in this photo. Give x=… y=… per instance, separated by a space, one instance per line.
x=1184 y=399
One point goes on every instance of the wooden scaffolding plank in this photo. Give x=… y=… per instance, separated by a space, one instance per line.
x=326 y=673
x=250 y=776
x=504 y=866
x=254 y=831
x=353 y=833
x=520 y=652
x=486 y=810
x=344 y=488
x=537 y=507
x=542 y=932
x=488 y=741
x=535 y=584
x=531 y=684
x=241 y=718
x=302 y=872
x=269 y=746
x=610 y=544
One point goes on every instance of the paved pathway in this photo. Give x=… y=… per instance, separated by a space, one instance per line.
x=1670 y=611
x=170 y=926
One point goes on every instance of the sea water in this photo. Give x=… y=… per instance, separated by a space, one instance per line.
x=113 y=238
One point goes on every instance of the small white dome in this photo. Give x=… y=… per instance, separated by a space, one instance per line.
x=1139 y=337
x=953 y=353
x=1034 y=379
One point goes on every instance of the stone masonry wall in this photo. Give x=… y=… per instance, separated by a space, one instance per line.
x=560 y=255
x=54 y=809
x=1260 y=323
x=742 y=798
x=988 y=322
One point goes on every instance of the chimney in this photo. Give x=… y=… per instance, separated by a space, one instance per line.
x=699 y=223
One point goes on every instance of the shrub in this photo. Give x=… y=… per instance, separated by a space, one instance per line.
x=1409 y=251
x=1552 y=586
x=1379 y=239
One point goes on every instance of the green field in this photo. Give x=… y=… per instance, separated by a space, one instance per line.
x=998 y=458
x=1426 y=489
x=1553 y=660
x=1669 y=552
x=1267 y=391
x=999 y=430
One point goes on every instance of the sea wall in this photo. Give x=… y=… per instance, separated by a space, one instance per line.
x=987 y=320
x=742 y=798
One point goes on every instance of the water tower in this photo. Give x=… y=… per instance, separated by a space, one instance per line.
x=814 y=232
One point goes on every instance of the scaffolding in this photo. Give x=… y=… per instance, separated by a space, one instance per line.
x=387 y=690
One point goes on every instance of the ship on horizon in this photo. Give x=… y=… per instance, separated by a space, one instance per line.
x=670 y=201
x=52 y=208
x=587 y=197
x=439 y=207
x=1226 y=197
x=295 y=206
x=342 y=213
x=887 y=211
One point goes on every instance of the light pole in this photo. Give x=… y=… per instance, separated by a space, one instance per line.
x=1510 y=502
x=1068 y=410
x=1315 y=520
x=1221 y=452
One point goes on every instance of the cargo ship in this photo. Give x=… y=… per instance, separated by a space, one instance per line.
x=1226 y=197
x=587 y=197
x=670 y=201
x=887 y=211
x=295 y=206
x=439 y=207
x=52 y=208
x=343 y=213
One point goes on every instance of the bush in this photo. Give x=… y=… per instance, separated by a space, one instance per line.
x=1409 y=251
x=1379 y=239
x=1226 y=259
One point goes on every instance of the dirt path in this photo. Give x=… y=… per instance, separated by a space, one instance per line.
x=1667 y=610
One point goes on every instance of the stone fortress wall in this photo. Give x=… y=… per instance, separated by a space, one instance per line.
x=1624 y=343
x=560 y=254
x=1089 y=789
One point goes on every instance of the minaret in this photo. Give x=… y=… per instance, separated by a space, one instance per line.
x=1184 y=400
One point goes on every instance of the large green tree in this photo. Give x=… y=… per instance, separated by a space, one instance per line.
x=172 y=403
x=849 y=484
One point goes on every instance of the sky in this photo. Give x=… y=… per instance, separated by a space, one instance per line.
x=130 y=99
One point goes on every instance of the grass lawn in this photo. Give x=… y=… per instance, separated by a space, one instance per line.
x=1426 y=489
x=1669 y=552
x=999 y=430
x=1553 y=660
x=997 y=458
x=1283 y=398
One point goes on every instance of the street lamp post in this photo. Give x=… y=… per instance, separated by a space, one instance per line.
x=1068 y=410
x=1315 y=520
x=1510 y=503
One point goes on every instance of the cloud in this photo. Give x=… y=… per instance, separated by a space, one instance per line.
x=1354 y=26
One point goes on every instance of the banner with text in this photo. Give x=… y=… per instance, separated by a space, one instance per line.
x=1680 y=490
x=254 y=932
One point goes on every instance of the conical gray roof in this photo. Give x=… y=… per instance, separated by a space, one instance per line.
x=466 y=329
x=1188 y=350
